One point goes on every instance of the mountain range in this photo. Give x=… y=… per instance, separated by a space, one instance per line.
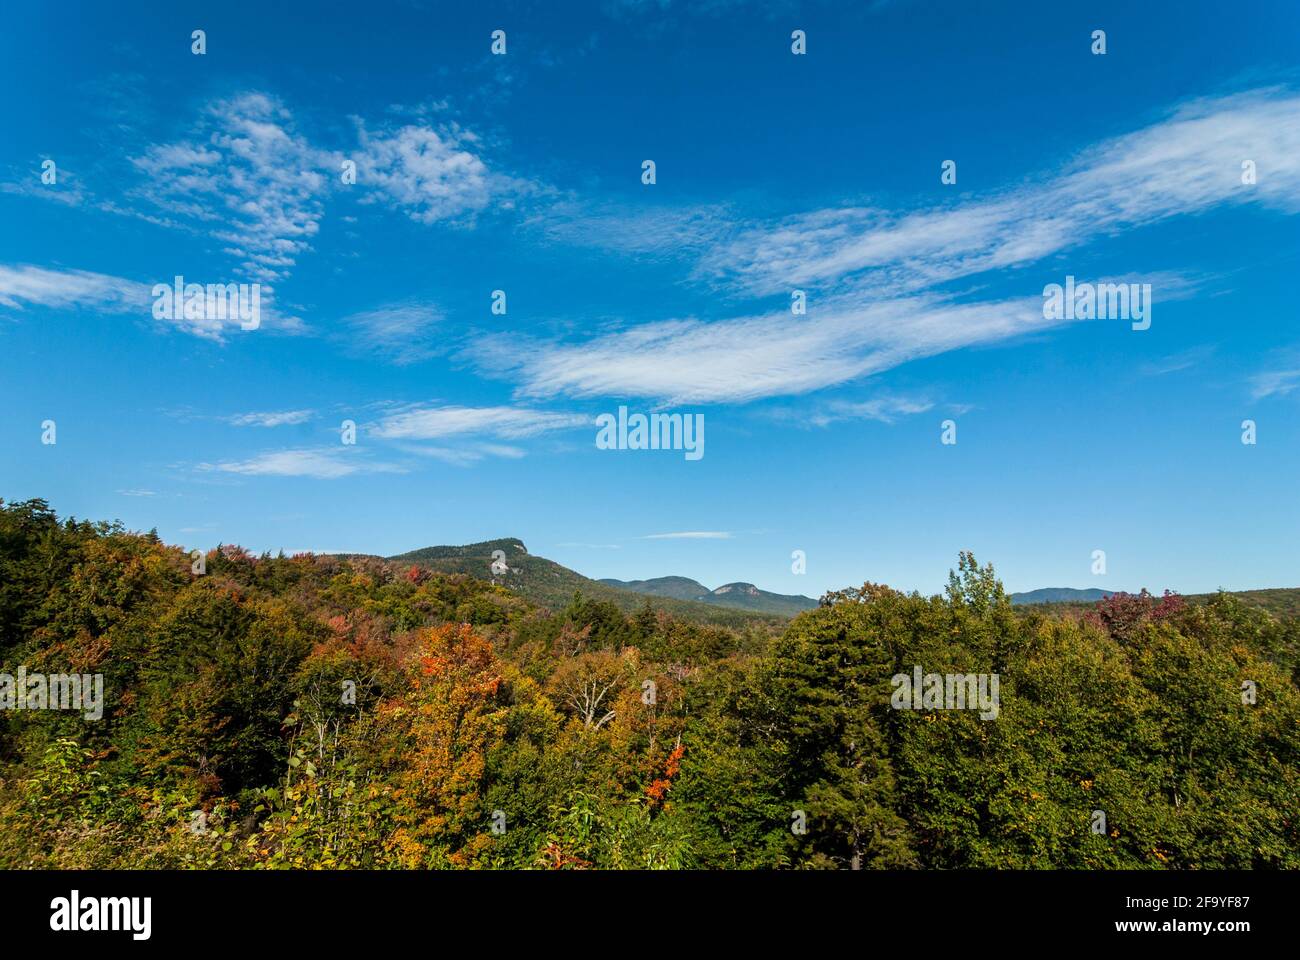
x=1060 y=595
x=549 y=584
x=738 y=604
x=741 y=596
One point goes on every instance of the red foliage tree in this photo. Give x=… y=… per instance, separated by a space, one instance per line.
x=1122 y=615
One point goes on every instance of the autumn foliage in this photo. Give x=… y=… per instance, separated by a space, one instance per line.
x=316 y=712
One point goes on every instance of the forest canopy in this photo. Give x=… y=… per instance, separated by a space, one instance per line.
x=326 y=712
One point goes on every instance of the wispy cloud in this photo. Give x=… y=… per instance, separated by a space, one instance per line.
x=272 y=419
x=1185 y=164
x=749 y=358
x=438 y=422
x=1174 y=363
x=401 y=332
x=246 y=175
x=885 y=409
x=1279 y=381
x=689 y=535
x=319 y=463
x=37 y=286
x=249 y=176
x=467 y=454
x=880 y=271
x=659 y=232
x=67 y=189
x=24 y=285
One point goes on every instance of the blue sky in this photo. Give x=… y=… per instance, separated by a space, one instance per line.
x=774 y=172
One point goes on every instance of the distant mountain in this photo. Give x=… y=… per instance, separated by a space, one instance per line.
x=548 y=584
x=1277 y=601
x=551 y=585
x=742 y=596
x=679 y=588
x=510 y=546
x=1060 y=595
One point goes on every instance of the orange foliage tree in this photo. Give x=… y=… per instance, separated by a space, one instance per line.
x=454 y=713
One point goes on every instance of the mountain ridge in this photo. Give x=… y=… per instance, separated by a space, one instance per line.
x=736 y=604
x=1061 y=595
x=506 y=561
x=738 y=594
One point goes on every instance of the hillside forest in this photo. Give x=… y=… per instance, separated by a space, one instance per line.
x=323 y=712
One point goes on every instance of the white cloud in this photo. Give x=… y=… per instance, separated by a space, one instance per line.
x=271 y=419
x=321 y=464
x=38 y=286
x=401 y=332
x=249 y=177
x=1187 y=163
x=749 y=358
x=1275 y=383
x=1176 y=362
x=68 y=190
x=245 y=176
x=478 y=431
x=885 y=409
x=22 y=285
x=879 y=271
x=635 y=230
x=434 y=423
x=690 y=535
x=432 y=175
x=466 y=455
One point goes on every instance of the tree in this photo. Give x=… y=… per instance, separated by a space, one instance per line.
x=454 y=712
x=588 y=684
